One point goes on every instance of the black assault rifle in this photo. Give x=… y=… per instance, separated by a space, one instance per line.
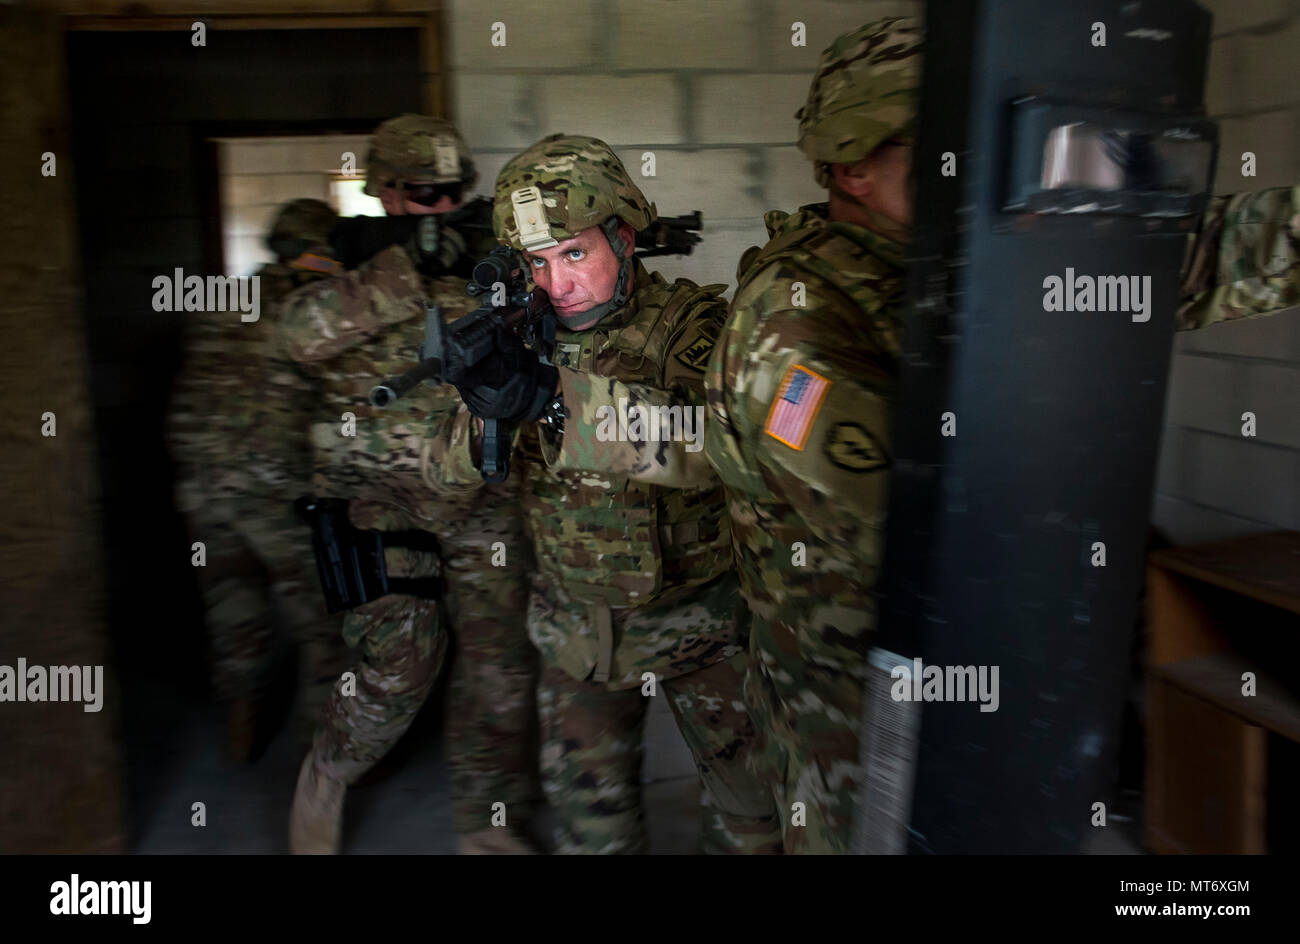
x=449 y=350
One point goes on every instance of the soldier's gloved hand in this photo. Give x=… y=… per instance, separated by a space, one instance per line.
x=512 y=385
x=490 y=371
x=358 y=238
x=433 y=247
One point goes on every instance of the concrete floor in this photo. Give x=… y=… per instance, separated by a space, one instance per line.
x=177 y=757
x=176 y=754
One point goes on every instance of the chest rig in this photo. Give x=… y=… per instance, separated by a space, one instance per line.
x=378 y=459
x=618 y=543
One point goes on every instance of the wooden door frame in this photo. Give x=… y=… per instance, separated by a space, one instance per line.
x=427 y=16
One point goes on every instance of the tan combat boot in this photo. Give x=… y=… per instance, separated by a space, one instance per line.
x=493 y=841
x=316 y=818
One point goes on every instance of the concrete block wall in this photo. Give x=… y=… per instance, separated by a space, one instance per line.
x=709 y=88
x=1213 y=482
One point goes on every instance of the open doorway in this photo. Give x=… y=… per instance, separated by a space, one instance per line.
x=146 y=109
x=257 y=175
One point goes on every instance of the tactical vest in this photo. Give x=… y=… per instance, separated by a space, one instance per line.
x=381 y=462
x=626 y=543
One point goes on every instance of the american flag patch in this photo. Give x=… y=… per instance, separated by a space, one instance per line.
x=314 y=262
x=796 y=406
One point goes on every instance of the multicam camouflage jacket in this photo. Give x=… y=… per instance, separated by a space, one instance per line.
x=800 y=383
x=620 y=520
x=346 y=334
x=236 y=417
x=1243 y=261
x=799 y=389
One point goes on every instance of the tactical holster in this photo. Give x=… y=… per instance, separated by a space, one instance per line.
x=350 y=560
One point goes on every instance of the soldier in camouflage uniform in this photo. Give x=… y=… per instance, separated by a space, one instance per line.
x=799 y=391
x=635 y=590
x=242 y=459
x=347 y=333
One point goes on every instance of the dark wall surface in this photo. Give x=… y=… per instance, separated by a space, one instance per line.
x=59 y=763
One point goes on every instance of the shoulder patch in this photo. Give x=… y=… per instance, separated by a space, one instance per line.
x=852 y=447
x=317 y=262
x=797 y=401
x=696 y=354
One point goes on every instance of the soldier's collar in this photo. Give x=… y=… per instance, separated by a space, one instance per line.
x=818 y=215
x=880 y=246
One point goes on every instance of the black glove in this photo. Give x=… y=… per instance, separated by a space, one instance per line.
x=511 y=384
x=508 y=354
x=358 y=238
x=434 y=248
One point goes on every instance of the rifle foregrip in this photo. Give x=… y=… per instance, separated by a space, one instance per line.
x=497 y=436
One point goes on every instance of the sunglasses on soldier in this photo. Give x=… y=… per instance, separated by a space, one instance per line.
x=429 y=194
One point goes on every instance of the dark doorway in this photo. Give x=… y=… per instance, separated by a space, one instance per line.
x=142 y=107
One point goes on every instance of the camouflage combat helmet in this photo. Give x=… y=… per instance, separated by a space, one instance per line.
x=418 y=149
x=306 y=219
x=300 y=225
x=865 y=92
x=561 y=186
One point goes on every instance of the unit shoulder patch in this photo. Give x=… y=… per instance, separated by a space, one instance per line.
x=696 y=354
x=851 y=446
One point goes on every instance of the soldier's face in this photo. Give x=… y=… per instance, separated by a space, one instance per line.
x=881 y=181
x=893 y=190
x=579 y=273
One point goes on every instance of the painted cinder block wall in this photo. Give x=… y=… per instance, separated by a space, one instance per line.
x=1213 y=482
x=710 y=89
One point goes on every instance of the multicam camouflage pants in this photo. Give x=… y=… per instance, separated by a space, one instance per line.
x=591 y=761
x=259 y=569
x=492 y=723
x=807 y=716
x=404 y=643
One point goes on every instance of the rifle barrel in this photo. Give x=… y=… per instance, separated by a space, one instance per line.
x=392 y=388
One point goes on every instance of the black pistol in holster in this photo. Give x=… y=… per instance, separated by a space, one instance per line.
x=350 y=560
